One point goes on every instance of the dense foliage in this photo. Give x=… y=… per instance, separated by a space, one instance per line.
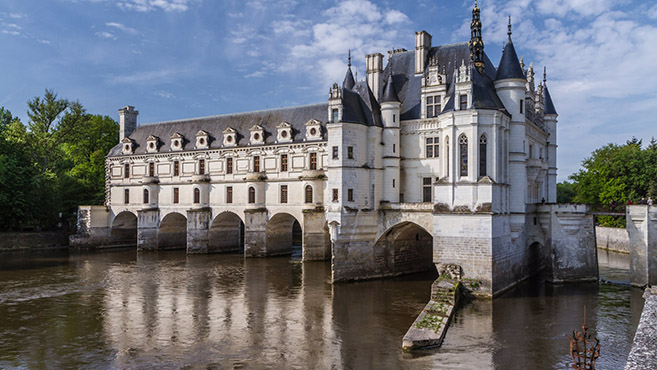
x=53 y=164
x=614 y=173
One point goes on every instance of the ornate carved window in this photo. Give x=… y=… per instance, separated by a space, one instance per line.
x=483 y=142
x=463 y=155
x=433 y=106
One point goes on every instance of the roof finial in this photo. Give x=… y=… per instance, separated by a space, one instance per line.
x=349 y=64
x=476 y=44
x=509 y=32
x=544 y=75
x=476 y=4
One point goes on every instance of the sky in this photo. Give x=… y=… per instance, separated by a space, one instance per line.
x=175 y=59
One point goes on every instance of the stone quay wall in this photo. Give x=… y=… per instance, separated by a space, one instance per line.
x=612 y=238
x=644 y=348
x=33 y=240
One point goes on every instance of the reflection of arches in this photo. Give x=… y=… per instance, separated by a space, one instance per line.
x=280 y=233
x=172 y=232
x=124 y=229
x=226 y=233
x=404 y=248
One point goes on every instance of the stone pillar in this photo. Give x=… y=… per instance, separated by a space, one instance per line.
x=573 y=254
x=255 y=232
x=642 y=229
x=353 y=254
x=316 y=242
x=148 y=221
x=198 y=229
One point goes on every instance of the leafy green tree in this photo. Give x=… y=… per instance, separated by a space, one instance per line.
x=565 y=192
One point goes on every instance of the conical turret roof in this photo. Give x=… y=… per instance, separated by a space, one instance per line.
x=509 y=65
x=349 y=81
x=389 y=92
x=549 y=105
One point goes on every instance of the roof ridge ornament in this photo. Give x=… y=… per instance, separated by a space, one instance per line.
x=349 y=59
x=544 y=75
x=509 y=31
x=476 y=43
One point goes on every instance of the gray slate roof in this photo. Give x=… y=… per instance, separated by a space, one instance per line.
x=349 y=81
x=389 y=93
x=242 y=122
x=408 y=85
x=549 y=105
x=509 y=66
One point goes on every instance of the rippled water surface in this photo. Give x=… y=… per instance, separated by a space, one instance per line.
x=166 y=310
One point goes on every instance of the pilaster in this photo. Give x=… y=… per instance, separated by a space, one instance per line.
x=148 y=221
x=642 y=229
x=198 y=224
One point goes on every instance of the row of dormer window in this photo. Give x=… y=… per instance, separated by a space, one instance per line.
x=201 y=165
x=230 y=137
x=433 y=104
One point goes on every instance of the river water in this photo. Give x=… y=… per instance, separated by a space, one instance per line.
x=167 y=310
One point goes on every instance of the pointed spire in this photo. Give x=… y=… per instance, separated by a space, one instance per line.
x=509 y=66
x=389 y=93
x=476 y=43
x=544 y=74
x=549 y=105
x=349 y=81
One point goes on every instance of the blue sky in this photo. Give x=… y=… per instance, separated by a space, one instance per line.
x=175 y=59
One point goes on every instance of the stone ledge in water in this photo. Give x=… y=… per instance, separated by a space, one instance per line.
x=644 y=348
x=430 y=327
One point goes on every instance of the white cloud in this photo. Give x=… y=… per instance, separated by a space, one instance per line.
x=122 y=27
x=106 y=35
x=164 y=94
x=150 y=5
x=147 y=77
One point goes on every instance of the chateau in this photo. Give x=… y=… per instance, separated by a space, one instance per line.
x=440 y=158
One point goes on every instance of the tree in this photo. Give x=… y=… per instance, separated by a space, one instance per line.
x=565 y=192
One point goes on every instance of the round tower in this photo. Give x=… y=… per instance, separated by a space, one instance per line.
x=390 y=115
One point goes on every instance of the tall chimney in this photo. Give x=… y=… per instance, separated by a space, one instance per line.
x=422 y=46
x=374 y=64
x=127 y=121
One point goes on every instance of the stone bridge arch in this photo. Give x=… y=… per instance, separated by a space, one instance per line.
x=403 y=248
x=279 y=233
x=226 y=233
x=172 y=231
x=123 y=229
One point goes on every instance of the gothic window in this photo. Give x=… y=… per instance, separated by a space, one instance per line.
x=283 y=193
x=350 y=152
x=335 y=152
x=151 y=169
x=334 y=115
x=335 y=195
x=256 y=163
x=309 y=194
x=229 y=194
x=251 y=195
x=176 y=195
x=126 y=170
x=433 y=106
x=176 y=168
x=426 y=189
x=483 y=142
x=313 y=161
x=126 y=196
x=432 y=147
x=146 y=196
x=463 y=153
x=229 y=165
x=197 y=196
x=463 y=102
x=350 y=195
x=283 y=162
x=201 y=166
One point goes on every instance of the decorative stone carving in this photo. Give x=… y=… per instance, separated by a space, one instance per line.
x=284 y=134
x=177 y=142
x=202 y=139
x=152 y=144
x=257 y=135
x=230 y=136
x=128 y=145
x=313 y=130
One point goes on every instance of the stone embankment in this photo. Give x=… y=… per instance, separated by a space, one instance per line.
x=24 y=241
x=613 y=239
x=643 y=355
x=429 y=328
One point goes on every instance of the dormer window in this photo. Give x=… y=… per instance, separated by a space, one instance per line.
x=152 y=144
x=128 y=145
x=284 y=133
x=257 y=135
x=463 y=102
x=230 y=137
x=177 y=142
x=313 y=130
x=433 y=106
x=202 y=139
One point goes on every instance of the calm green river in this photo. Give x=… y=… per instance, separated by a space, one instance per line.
x=167 y=310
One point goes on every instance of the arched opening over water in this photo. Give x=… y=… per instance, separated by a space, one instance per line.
x=536 y=255
x=283 y=233
x=172 y=233
x=405 y=248
x=226 y=233
x=124 y=229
